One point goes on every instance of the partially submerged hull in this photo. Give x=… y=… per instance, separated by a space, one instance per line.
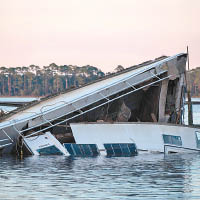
x=45 y=144
x=119 y=139
x=148 y=137
x=150 y=92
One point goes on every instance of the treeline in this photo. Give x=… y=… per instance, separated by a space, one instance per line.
x=194 y=77
x=36 y=81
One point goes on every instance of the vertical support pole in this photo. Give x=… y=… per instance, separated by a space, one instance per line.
x=190 y=114
x=162 y=100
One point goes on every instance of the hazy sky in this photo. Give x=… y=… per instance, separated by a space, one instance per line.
x=103 y=33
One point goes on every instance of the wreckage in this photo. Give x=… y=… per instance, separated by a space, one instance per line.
x=149 y=93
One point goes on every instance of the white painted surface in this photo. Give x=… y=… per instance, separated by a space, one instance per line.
x=73 y=95
x=172 y=149
x=62 y=99
x=147 y=136
x=69 y=102
x=42 y=141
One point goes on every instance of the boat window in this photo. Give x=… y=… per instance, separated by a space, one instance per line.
x=120 y=149
x=50 y=150
x=198 y=139
x=82 y=149
x=172 y=139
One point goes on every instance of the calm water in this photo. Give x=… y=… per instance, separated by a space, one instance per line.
x=14 y=99
x=196 y=114
x=18 y=99
x=145 y=176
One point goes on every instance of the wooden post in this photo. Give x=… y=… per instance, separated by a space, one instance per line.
x=190 y=114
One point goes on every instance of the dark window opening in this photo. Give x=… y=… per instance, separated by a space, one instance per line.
x=170 y=107
x=171 y=139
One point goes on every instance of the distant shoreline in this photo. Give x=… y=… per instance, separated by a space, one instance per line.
x=44 y=96
x=22 y=96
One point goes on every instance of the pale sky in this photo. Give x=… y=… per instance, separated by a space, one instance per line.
x=102 y=33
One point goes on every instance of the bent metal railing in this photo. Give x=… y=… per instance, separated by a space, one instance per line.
x=125 y=80
x=83 y=112
x=77 y=115
x=147 y=68
x=7 y=141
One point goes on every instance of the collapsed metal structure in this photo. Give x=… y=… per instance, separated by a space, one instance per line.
x=152 y=91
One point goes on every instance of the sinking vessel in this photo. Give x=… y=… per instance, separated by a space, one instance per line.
x=152 y=92
x=148 y=137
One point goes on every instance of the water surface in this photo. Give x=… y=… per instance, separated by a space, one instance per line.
x=146 y=176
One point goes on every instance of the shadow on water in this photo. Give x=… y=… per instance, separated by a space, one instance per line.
x=145 y=176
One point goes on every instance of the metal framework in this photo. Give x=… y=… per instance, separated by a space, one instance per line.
x=6 y=142
x=93 y=108
x=48 y=116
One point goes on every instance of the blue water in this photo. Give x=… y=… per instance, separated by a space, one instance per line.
x=196 y=114
x=7 y=109
x=145 y=176
x=17 y=99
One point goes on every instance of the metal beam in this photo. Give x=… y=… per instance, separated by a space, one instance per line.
x=118 y=97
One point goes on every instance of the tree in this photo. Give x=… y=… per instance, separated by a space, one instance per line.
x=119 y=68
x=37 y=81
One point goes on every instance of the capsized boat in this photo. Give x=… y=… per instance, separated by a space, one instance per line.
x=148 y=137
x=150 y=92
x=45 y=144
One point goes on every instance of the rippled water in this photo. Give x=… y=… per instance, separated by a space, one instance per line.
x=145 y=176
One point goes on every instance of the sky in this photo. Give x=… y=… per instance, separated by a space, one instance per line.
x=102 y=33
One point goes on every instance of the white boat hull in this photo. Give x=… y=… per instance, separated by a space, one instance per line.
x=42 y=145
x=146 y=136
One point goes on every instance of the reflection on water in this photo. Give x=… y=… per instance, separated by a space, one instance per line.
x=145 y=176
